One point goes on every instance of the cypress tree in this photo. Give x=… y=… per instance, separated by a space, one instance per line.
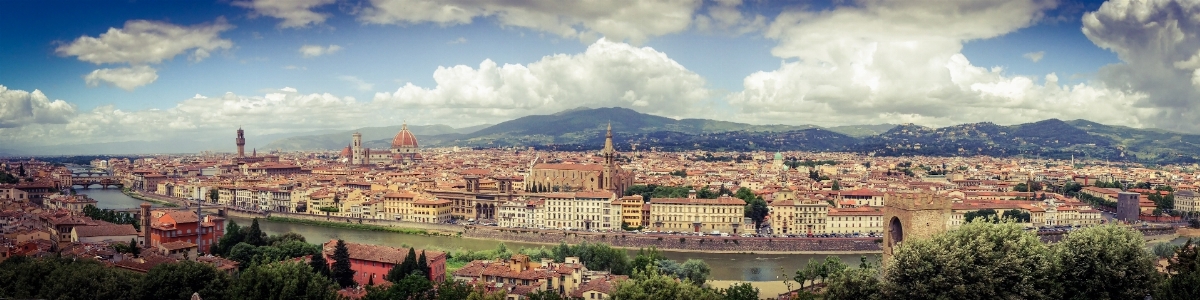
x=423 y=266
x=319 y=264
x=341 y=272
x=134 y=248
x=405 y=268
x=255 y=235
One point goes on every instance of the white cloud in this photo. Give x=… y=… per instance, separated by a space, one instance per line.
x=1158 y=44
x=586 y=20
x=295 y=13
x=607 y=74
x=358 y=84
x=876 y=63
x=143 y=42
x=1034 y=56
x=199 y=117
x=124 y=78
x=20 y=108
x=294 y=67
x=459 y=40
x=310 y=51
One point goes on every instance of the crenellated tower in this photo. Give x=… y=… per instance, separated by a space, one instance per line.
x=912 y=215
x=241 y=142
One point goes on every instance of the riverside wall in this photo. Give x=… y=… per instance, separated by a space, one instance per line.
x=434 y=227
x=713 y=244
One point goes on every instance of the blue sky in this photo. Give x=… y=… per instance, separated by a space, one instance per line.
x=382 y=62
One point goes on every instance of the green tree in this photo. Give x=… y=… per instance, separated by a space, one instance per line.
x=1182 y=276
x=405 y=268
x=857 y=283
x=213 y=195
x=454 y=290
x=692 y=271
x=233 y=236
x=180 y=280
x=653 y=286
x=134 y=248
x=423 y=265
x=1104 y=262
x=739 y=291
x=757 y=210
x=985 y=214
x=979 y=260
x=646 y=258
x=1017 y=215
x=61 y=278
x=282 y=280
x=544 y=295
x=1021 y=187
x=244 y=254
x=837 y=186
x=255 y=236
x=341 y=272
x=319 y=264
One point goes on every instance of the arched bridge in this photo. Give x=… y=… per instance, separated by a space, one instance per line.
x=103 y=181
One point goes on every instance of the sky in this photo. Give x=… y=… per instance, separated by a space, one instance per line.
x=81 y=72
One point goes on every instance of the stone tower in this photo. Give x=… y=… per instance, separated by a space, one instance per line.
x=145 y=216
x=358 y=156
x=912 y=215
x=241 y=143
x=610 y=167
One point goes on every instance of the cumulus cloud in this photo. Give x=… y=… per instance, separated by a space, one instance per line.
x=141 y=43
x=618 y=20
x=1034 y=56
x=283 y=110
x=875 y=62
x=1159 y=48
x=124 y=78
x=294 y=13
x=310 y=51
x=607 y=74
x=20 y=108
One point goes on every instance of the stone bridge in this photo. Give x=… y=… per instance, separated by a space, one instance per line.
x=103 y=181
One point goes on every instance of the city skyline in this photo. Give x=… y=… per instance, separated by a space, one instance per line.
x=294 y=66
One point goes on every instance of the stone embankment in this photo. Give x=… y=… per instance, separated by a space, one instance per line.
x=711 y=244
x=445 y=229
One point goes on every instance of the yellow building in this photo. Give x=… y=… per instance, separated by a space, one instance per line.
x=724 y=214
x=855 y=220
x=1186 y=201
x=790 y=215
x=631 y=210
x=427 y=209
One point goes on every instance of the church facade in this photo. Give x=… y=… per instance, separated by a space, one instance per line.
x=607 y=176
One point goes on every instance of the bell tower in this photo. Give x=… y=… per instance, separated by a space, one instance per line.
x=610 y=166
x=241 y=142
x=912 y=215
x=357 y=157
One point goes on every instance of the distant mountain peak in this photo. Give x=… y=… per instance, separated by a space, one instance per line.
x=571 y=110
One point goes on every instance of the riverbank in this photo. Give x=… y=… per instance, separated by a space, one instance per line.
x=139 y=196
x=356 y=226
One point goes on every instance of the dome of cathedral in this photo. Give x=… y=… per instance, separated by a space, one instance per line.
x=404 y=139
x=346 y=151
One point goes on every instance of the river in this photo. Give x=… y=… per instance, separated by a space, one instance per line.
x=728 y=267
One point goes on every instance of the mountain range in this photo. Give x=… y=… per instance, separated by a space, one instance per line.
x=584 y=128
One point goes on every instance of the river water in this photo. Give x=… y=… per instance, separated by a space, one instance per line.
x=731 y=267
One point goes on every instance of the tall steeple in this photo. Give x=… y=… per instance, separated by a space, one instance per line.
x=608 y=147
